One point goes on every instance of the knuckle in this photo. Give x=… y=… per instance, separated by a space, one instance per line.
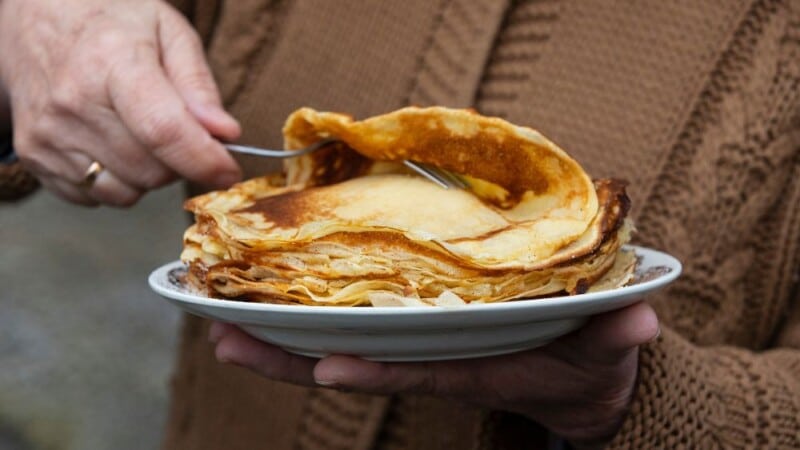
x=160 y=130
x=25 y=145
x=70 y=195
x=189 y=37
x=425 y=382
x=66 y=97
x=611 y=398
x=197 y=79
x=123 y=199
x=109 y=41
x=429 y=383
x=40 y=134
x=35 y=162
x=154 y=179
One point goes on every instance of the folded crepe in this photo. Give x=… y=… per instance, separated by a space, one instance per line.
x=349 y=225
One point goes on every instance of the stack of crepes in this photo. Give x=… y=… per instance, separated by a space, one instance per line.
x=349 y=225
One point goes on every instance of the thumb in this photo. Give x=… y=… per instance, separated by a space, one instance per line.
x=610 y=336
x=185 y=64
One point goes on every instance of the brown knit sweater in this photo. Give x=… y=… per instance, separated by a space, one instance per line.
x=696 y=103
x=15 y=182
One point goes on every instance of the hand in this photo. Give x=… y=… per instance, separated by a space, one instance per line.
x=121 y=82
x=578 y=386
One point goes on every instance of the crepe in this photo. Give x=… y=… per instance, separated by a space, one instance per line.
x=348 y=225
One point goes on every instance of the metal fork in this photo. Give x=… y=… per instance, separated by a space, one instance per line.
x=439 y=176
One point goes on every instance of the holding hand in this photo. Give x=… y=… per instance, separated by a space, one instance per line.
x=578 y=386
x=111 y=98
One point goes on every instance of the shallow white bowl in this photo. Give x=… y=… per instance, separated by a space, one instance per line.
x=418 y=333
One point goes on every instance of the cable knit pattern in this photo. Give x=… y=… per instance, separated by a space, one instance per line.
x=740 y=247
x=524 y=37
x=456 y=53
x=730 y=170
x=691 y=397
x=349 y=420
x=248 y=32
x=696 y=103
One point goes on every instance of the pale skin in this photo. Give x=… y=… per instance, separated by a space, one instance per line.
x=125 y=83
x=122 y=82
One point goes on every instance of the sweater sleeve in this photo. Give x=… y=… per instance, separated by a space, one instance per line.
x=725 y=373
x=184 y=6
x=203 y=14
x=15 y=182
x=714 y=397
x=695 y=391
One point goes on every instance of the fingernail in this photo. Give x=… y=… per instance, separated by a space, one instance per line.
x=221 y=356
x=215 y=332
x=325 y=383
x=655 y=338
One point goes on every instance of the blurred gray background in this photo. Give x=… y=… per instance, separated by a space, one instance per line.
x=86 y=349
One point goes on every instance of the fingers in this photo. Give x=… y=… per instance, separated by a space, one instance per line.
x=113 y=145
x=366 y=376
x=185 y=64
x=623 y=329
x=379 y=378
x=133 y=93
x=237 y=347
x=337 y=371
x=63 y=167
x=606 y=340
x=152 y=110
x=58 y=172
x=453 y=379
x=110 y=190
x=68 y=191
x=105 y=189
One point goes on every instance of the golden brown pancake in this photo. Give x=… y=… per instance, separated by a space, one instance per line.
x=349 y=225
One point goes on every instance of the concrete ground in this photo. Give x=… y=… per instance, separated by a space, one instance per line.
x=86 y=349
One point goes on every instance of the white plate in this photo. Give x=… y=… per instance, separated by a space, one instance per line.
x=418 y=333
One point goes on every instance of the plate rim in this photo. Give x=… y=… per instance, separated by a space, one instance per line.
x=548 y=302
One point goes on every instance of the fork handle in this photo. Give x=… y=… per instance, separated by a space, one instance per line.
x=277 y=153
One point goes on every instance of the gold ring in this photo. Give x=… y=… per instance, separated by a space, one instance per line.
x=91 y=174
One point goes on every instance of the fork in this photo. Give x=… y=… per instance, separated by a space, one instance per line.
x=441 y=177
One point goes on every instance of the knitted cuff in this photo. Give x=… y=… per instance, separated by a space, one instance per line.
x=672 y=405
x=689 y=397
x=15 y=182
x=761 y=394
